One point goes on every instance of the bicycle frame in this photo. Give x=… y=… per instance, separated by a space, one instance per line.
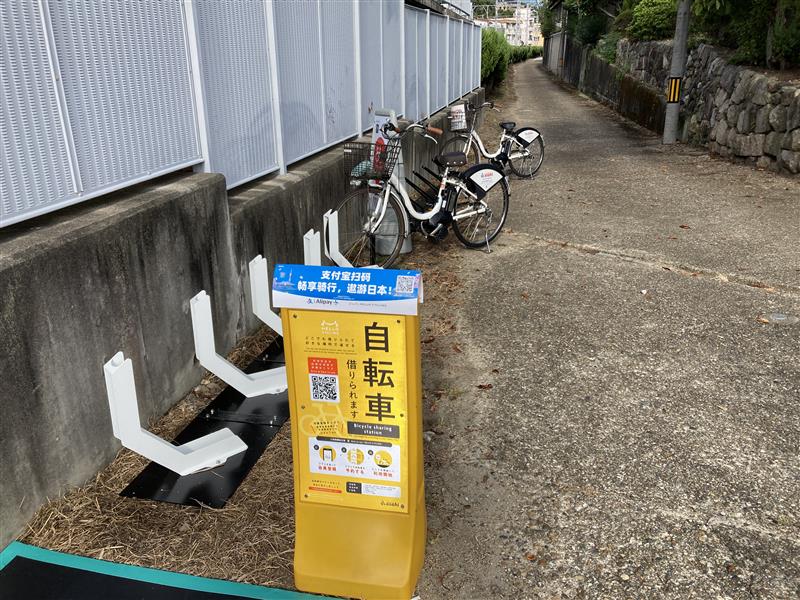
x=505 y=144
x=399 y=188
x=482 y=149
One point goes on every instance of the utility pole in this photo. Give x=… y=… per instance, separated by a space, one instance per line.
x=676 y=72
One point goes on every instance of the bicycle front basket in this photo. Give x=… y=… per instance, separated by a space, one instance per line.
x=461 y=116
x=366 y=161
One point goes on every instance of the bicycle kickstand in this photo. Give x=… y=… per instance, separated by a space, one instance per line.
x=488 y=249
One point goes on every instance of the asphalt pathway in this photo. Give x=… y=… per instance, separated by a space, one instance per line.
x=608 y=414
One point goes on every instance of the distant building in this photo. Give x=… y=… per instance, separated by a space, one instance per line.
x=530 y=32
x=521 y=29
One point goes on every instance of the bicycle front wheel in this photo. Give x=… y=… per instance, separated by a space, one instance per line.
x=368 y=234
x=477 y=222
x=525 y=162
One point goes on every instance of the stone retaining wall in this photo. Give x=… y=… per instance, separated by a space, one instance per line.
x=732 y=110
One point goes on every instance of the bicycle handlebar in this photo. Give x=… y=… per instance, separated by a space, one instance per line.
x=489 y=105
x=404 y=127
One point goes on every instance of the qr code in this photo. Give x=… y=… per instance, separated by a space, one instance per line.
x=405 y=284
x=324 y=388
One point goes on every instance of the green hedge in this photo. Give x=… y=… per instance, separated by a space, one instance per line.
x=520 y=53
x=497 y=54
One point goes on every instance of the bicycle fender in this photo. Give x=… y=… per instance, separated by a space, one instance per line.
x=481 y=178
x=406 y=218
x=526 y=135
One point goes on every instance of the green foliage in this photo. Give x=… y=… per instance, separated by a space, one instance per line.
x=786 y=33
x=495 y=52
x=589 y=27
x=547 y=20
x=607 y=46
x=479 y=12
x=762 y=32
x=520 y=53
x=653 y=20
x=625 y=15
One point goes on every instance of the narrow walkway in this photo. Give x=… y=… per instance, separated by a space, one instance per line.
x=609 y=416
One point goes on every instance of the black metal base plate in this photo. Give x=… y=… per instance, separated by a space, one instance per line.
x=26 y=579
x=255 y=420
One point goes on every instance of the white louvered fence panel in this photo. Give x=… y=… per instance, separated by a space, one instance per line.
x=412 y=72
x=454 y=62
x=124 y=108
x=475 y=33
x=422 y=64
x=392 y=22
x=339 y=62
x=440 y=74
x=371 y=60
x=300 y=78
x=234 y=59
x=125 y=72
x=34 y=158
x=466 y=72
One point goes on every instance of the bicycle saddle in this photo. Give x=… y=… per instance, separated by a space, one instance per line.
x=453 y=159
x=508 y=125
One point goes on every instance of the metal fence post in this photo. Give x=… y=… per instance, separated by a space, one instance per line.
x=61 y=99
x=402 y=57
x=380 y=29
x=478 y=56
x=447 y=60
x=269 y=11
x=428 y=64
x=198 y=91
x=357 y=61
x=461 y=62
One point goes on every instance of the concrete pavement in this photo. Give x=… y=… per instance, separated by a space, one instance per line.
x=608 y=415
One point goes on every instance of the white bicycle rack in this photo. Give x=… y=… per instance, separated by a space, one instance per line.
x=312 y=254
x=259 y=294
x=330 y=237
x=206 y=452
x=271 y=381
x=330 y=232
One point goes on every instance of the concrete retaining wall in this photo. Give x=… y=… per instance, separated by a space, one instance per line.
x=81 y=285
x=117 y=274
x=610 y=85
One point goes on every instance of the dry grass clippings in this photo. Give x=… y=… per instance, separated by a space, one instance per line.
x=249 y=540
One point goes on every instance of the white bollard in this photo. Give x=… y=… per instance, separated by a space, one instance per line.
x=259 y=294
x=206 y=452
x=270 y=381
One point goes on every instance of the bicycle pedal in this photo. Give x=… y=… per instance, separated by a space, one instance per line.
x=438 y=234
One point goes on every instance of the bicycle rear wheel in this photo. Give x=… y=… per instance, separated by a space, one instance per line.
x=477 y=222
x=525 y=162
x=368 y=235
x=462 y=143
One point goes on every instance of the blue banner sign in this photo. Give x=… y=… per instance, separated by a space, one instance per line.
x=386 y=291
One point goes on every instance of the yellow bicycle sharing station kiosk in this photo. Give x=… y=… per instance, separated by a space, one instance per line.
x=352 y=346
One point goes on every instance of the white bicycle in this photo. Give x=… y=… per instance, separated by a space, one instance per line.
x=520 y=149
x=378 y=216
